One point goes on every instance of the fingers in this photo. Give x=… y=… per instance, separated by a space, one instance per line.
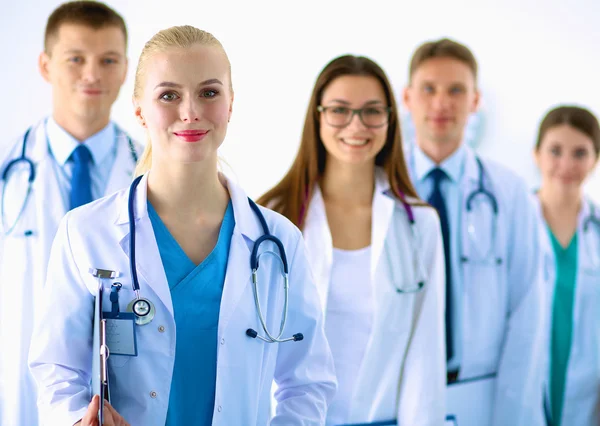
x=112 y=416
x=91 y=415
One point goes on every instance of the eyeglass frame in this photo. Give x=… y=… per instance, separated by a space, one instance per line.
x=354 y=111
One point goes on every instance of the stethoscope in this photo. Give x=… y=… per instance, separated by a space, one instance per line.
x=591 y=219
x=144 y=310
x=22 y=159
x=490 y=198
x=420 y=274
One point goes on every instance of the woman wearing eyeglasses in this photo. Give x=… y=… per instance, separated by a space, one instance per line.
x=375 y=249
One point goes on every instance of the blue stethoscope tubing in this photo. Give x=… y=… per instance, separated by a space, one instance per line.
x=254 y=264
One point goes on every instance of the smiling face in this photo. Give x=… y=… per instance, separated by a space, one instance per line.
x=441 y=96
x=361 y=139
x=86 y=68
x=565 y=157
x=185 y=103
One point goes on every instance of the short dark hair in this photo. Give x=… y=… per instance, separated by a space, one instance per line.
x=443 y=48
x=91 y=14
x=577 y=117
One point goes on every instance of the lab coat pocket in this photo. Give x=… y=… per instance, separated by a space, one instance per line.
x=118 y=361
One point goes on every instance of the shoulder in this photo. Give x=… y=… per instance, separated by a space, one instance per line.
x=99 y=214
x=281 y=226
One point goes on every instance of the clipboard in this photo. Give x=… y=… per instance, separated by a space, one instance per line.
x=100 y=382
x=469 y=402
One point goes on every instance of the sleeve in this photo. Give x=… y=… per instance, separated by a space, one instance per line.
x=60 y=357
x=519 y=387
x=423 y=385
x=305 y=375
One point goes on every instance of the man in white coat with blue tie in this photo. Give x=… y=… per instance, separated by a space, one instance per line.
x=73 y=156
x=495 y=311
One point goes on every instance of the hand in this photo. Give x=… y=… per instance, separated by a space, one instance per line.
x=111 y=417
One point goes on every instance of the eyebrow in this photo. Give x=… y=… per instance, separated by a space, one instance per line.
x=177 y=86
x=341 y=101
x=78 y=51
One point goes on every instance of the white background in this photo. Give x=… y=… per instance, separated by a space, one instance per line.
x=532 y=55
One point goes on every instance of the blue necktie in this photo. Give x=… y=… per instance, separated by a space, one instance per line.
x=436 y=199
x=81 y=182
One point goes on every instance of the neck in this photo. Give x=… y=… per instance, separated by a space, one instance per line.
x=563 y=202
x=186 y=190
x=438 y=151
x=348 y=182
x=78 y=127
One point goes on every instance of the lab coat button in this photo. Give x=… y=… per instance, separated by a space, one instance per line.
x=222 y=341
x=161 y=328
x=152 y=394
x=219 y=408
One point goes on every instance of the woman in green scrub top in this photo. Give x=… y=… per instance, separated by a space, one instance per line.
x=566 y=153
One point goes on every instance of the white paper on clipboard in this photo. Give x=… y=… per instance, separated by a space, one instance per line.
x=469 y=402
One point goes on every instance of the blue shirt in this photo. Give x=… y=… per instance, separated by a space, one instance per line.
x=454 y=167
x=103 y=147
x=196 y=294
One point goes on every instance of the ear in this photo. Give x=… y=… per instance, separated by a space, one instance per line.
x=476 y=101
x=125 y=69
x=536 y=157
x=44 y=65
x=406 y=97
x=230 y=107
x=138 y=113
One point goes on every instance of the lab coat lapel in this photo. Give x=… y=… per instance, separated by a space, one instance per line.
x=49 y=202
x=150 y=270
x=383 y=210
x=123 y=168
x=319 y=244
x=245 y=233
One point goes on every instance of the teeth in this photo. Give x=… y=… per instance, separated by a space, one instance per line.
x=355 y=142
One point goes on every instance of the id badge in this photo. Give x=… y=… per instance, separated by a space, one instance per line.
x=120 y=333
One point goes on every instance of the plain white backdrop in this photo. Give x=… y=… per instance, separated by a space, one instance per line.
x=532 y=55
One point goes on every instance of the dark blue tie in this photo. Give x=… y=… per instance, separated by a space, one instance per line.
x=81 y=182
x=436 y=199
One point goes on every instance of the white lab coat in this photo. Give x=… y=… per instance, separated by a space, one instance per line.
x=97 y=235
x=581 y=406
x=23 y=264
x=403 y=373
x=504 y=307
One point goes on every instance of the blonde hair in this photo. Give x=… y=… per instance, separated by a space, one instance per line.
x=182 y=37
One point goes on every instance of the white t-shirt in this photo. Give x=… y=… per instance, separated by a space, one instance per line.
x=348 y=322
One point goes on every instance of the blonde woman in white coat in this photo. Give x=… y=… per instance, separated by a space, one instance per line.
x=375 y=249
x=566 y=153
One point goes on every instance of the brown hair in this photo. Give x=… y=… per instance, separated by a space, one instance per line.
x=87 y=13
x=181 y=37
x=443 y=48
x=577 y=117
x=292 y=194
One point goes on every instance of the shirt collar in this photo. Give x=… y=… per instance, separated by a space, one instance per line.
x=62 y=143
x=453 y=166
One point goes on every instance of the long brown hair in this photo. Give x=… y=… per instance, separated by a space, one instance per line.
x=292 y=194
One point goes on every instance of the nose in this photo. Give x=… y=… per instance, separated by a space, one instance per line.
x=441 y=101
x=91 y=72
x=356 y=122
x=190 y=111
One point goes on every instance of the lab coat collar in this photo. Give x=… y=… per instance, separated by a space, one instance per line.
x=63 y=144
x=246 y=222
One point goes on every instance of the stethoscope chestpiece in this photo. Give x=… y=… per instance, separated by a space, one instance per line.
x=143 y=309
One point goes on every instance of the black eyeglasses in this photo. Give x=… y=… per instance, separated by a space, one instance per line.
x=371 y=116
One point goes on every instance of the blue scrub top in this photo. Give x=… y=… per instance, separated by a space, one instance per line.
x=562 y=322
x=196 y=293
